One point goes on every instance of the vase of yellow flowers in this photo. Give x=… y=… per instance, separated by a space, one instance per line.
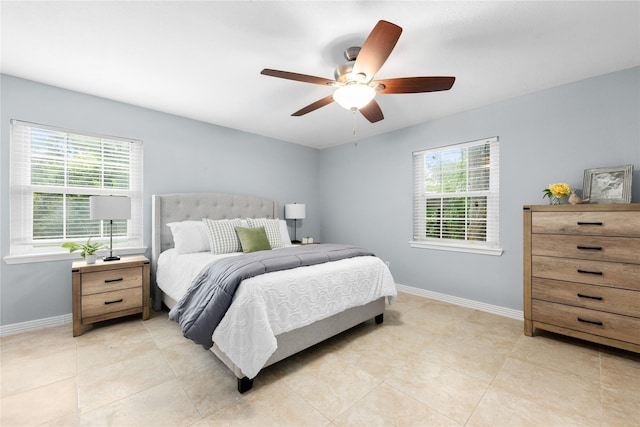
x=557 y=193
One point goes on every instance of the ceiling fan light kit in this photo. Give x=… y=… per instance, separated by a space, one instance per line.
x=356 y=88
x=354 y=96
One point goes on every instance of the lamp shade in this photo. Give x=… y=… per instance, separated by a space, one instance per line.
x=109 y=207
x=294 y=211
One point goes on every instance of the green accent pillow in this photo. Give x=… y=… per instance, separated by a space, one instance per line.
x=253 y=239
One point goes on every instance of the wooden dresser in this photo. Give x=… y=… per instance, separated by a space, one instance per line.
x=107 y=290
x=582 y=272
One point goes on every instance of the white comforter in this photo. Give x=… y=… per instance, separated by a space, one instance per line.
x=273 y=303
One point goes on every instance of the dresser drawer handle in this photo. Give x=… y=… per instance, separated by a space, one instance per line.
x=591 y=322
x=113 y=302
x=598 y=273
x=114 y=280
x=589 y=248
x=590 y=297
x=589 y=223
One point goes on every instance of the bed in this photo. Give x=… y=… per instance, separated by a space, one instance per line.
x=170 y=269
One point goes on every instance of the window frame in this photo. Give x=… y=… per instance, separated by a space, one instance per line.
x=22 y=190
x=492 y=244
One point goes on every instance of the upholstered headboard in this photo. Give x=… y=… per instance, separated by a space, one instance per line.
x=166 y=208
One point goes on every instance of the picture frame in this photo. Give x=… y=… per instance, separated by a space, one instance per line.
x=608 y=185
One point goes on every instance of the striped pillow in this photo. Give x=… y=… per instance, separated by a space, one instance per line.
x=272 y=227
x=222 y=235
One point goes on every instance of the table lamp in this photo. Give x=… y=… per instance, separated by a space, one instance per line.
x=294 y=211
x=110 y=207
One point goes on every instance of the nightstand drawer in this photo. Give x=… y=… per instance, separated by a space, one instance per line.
x=111 y=280
x=617 y=275
x=624 y=224
x=110 y=302
x=598 y=248
x=619 y=301
x=623 y=328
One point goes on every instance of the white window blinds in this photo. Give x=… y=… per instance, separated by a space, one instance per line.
x=456 y=196
x=53 y=174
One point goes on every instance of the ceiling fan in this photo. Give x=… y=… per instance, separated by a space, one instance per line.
x=356 y=88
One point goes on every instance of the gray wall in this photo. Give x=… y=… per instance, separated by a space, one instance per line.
x=551 y=136
x=180 y=155
x=359 y=194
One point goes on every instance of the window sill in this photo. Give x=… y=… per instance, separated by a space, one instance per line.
x=458 y=247
x=63 y=256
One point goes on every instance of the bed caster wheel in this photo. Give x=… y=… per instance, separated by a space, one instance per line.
x=379 y=318
x=244 y=384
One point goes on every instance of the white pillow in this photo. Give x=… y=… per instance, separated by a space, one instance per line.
x=222 y=235
x=189 y=237
x=284 y=233
x=271 y=226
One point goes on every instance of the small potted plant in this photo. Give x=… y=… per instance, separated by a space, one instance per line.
x=87 y=250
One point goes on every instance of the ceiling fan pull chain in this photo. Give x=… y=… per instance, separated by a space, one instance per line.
x=353 y=121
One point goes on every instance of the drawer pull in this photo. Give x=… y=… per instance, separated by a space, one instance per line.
x=590 y=297
x=589 y=223
x=591 y=322
x=598 y=273
x=589 y=248
x=114 y=280
x=113 y=302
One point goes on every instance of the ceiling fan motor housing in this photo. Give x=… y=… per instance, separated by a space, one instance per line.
x=343 y=73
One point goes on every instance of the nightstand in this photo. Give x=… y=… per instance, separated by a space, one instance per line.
x=107 y=290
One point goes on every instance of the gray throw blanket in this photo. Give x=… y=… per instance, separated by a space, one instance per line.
x=204 y=305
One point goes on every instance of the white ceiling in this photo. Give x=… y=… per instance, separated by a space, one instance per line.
x=203 y=59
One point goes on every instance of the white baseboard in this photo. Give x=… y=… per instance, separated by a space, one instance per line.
x=50 y=322
x=494 y=309
x=32 y=325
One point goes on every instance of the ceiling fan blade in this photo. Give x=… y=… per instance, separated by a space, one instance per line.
x=372 y=111
x=297 y=77
x=376 y=49
x=415 y=84
x=314 y=106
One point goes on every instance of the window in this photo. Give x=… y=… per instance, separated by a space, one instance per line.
x=456 y=197
x=53 y=174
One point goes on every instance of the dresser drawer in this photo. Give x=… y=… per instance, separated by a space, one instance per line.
x=613 y=300
x=110 y=302
x=111 y=280
x=615 y=326
x=617 y=275
x=617 y=249
x=623 y=224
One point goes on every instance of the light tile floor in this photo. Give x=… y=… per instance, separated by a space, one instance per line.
x=428 y=364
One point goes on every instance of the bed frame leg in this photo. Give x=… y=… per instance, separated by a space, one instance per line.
x=379 y=318
x=244 y=384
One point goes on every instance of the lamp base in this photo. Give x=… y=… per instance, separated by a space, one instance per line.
x=111 y=258
x=296 y=241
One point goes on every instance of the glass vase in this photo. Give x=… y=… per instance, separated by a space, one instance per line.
x=555 y=200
